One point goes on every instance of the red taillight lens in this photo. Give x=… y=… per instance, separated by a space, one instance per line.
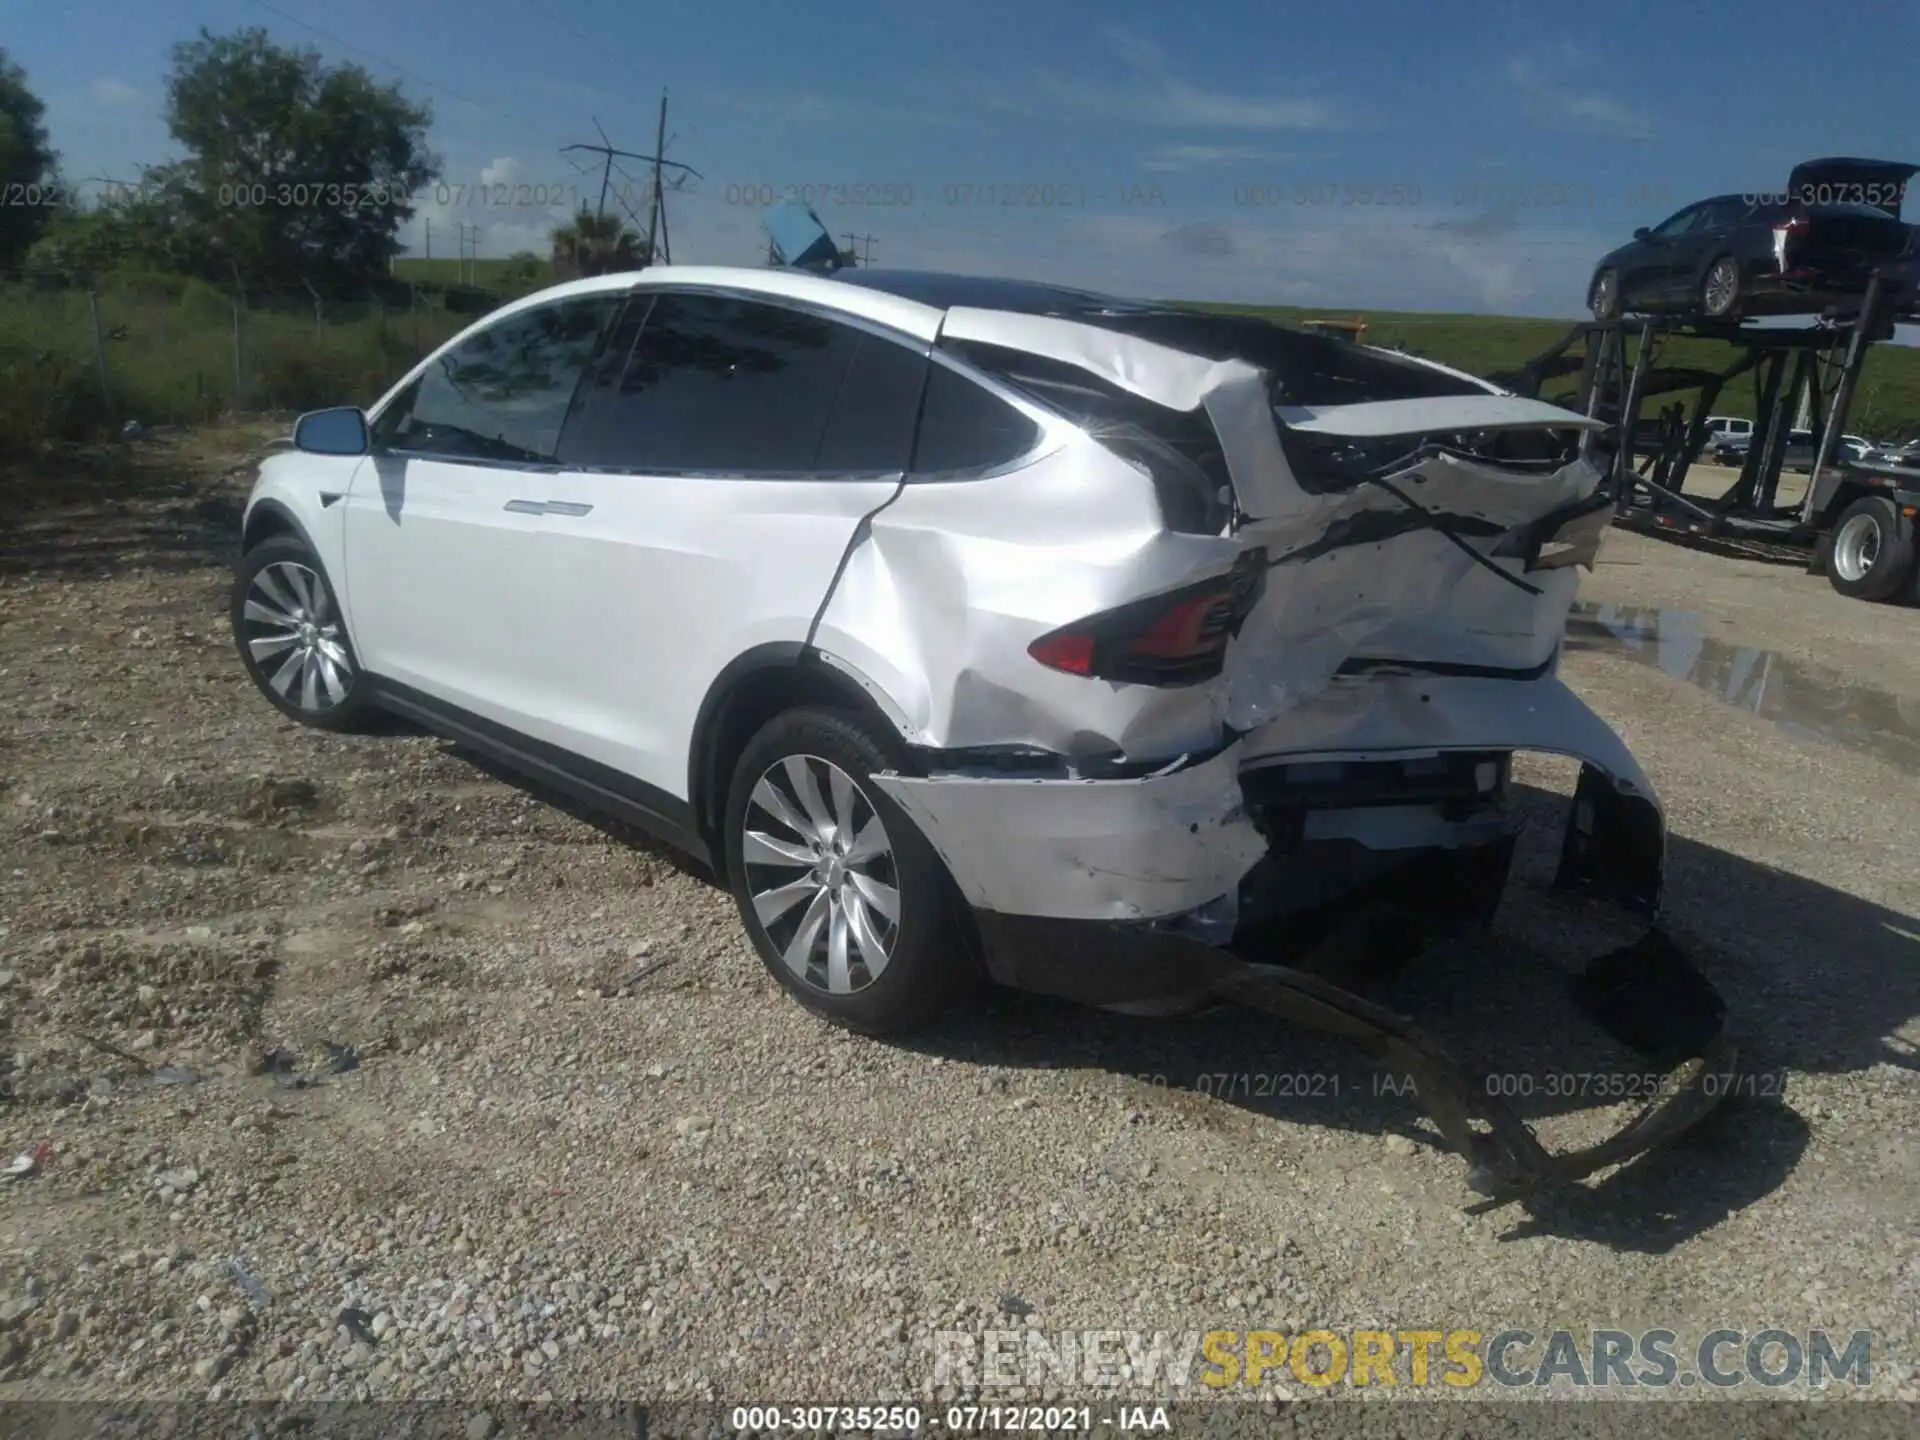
x=1176 y=639
x=1189 y=630
x=1066 y=650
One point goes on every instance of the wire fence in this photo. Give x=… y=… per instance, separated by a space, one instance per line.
x=82 y=363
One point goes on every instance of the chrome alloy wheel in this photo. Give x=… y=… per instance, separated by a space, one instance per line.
x=834 y=922
x=294 y=639
x=1722 y=287
x=1856 y=548
x=1604 y=295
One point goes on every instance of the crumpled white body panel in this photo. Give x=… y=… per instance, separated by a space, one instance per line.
x=1164 y=845
x=952 y=582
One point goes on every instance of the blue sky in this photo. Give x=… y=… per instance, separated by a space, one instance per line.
x=1375 y=154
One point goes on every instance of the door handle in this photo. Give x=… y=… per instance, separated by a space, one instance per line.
x=571 y=508
x=527 y=507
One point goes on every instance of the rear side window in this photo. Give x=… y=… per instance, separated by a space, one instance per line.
x=966 y=427
x=1721 y=214
x=725 y=385
x=871 y=429
x=1180 y=449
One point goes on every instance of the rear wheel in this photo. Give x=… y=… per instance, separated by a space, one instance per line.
x=847 y=904
x=1870 y=558
x=1720 y=289
x=287 y=624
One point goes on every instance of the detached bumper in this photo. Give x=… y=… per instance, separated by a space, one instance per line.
x=1169 y=844
x=1130 y=893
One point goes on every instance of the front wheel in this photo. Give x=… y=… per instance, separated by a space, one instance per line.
x=1869 y=558
x=287 y=624
x=846 y=903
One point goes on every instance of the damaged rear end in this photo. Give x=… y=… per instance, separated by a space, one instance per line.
x=1215 y=694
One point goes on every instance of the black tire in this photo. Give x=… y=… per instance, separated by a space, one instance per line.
x=1604 y=299
x=1868 y=556
x=1722 y=289
x=930 y=954
x=291 y=637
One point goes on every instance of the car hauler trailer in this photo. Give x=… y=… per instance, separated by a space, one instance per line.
x=1856 y=518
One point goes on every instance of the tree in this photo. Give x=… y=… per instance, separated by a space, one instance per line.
x=29 y=168
x=296 y=170
x=593 y=244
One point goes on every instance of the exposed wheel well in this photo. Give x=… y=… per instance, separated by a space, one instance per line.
x=264 y=523
x=749 y=693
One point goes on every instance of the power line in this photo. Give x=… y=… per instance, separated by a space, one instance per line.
x=412 y=75
x=598 y=47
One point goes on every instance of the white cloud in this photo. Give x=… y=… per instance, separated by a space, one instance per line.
x=1150 y=93
x=1192 y=157
x=1175 y=101
x=1553 y=100
x=500 y=171
x=114 y=93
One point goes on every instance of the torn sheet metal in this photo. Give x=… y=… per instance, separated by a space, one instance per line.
x=1088 y=849
x=1374 y=718
x=1384 y=418
x=1370 y=578
x=1234 y=393
x=1166 y=844
x=938 y=602
x=1505 y=1160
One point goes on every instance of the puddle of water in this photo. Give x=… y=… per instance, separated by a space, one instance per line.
x=1808 y=702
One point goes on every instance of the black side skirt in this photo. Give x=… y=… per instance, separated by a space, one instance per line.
x=665 y=817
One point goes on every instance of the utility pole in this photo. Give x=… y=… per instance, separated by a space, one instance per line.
x=607 y=151
x=656 y=216
x=429 y=225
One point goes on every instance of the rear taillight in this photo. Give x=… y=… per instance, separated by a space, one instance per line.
x=1179 y=638
x=1782 y=233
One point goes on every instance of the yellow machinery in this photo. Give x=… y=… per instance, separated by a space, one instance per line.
x=1354 y=329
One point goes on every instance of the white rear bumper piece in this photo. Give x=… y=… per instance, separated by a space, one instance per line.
x=1171 y=843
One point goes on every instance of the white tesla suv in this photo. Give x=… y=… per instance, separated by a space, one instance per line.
x=965 y=625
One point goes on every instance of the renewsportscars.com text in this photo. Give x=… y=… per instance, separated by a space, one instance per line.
x=1457 y=1358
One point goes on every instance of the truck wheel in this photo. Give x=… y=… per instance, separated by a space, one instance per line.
x=1871 y=557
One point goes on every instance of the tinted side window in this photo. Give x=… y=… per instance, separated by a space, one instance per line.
x=871 y=429
x=720 y=385
x=964 y=426
x=504 y=393
x=1722 y=215
x=1676 y=224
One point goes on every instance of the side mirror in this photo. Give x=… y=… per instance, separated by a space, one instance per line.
x=340 y=431
x=1643 y=233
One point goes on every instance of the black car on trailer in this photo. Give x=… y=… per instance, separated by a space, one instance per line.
x=1788 y=252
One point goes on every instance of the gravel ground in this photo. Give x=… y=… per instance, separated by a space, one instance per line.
x=363 y=1071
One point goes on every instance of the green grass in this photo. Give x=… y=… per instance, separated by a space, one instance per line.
x=170 y=358
x=488 y=274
